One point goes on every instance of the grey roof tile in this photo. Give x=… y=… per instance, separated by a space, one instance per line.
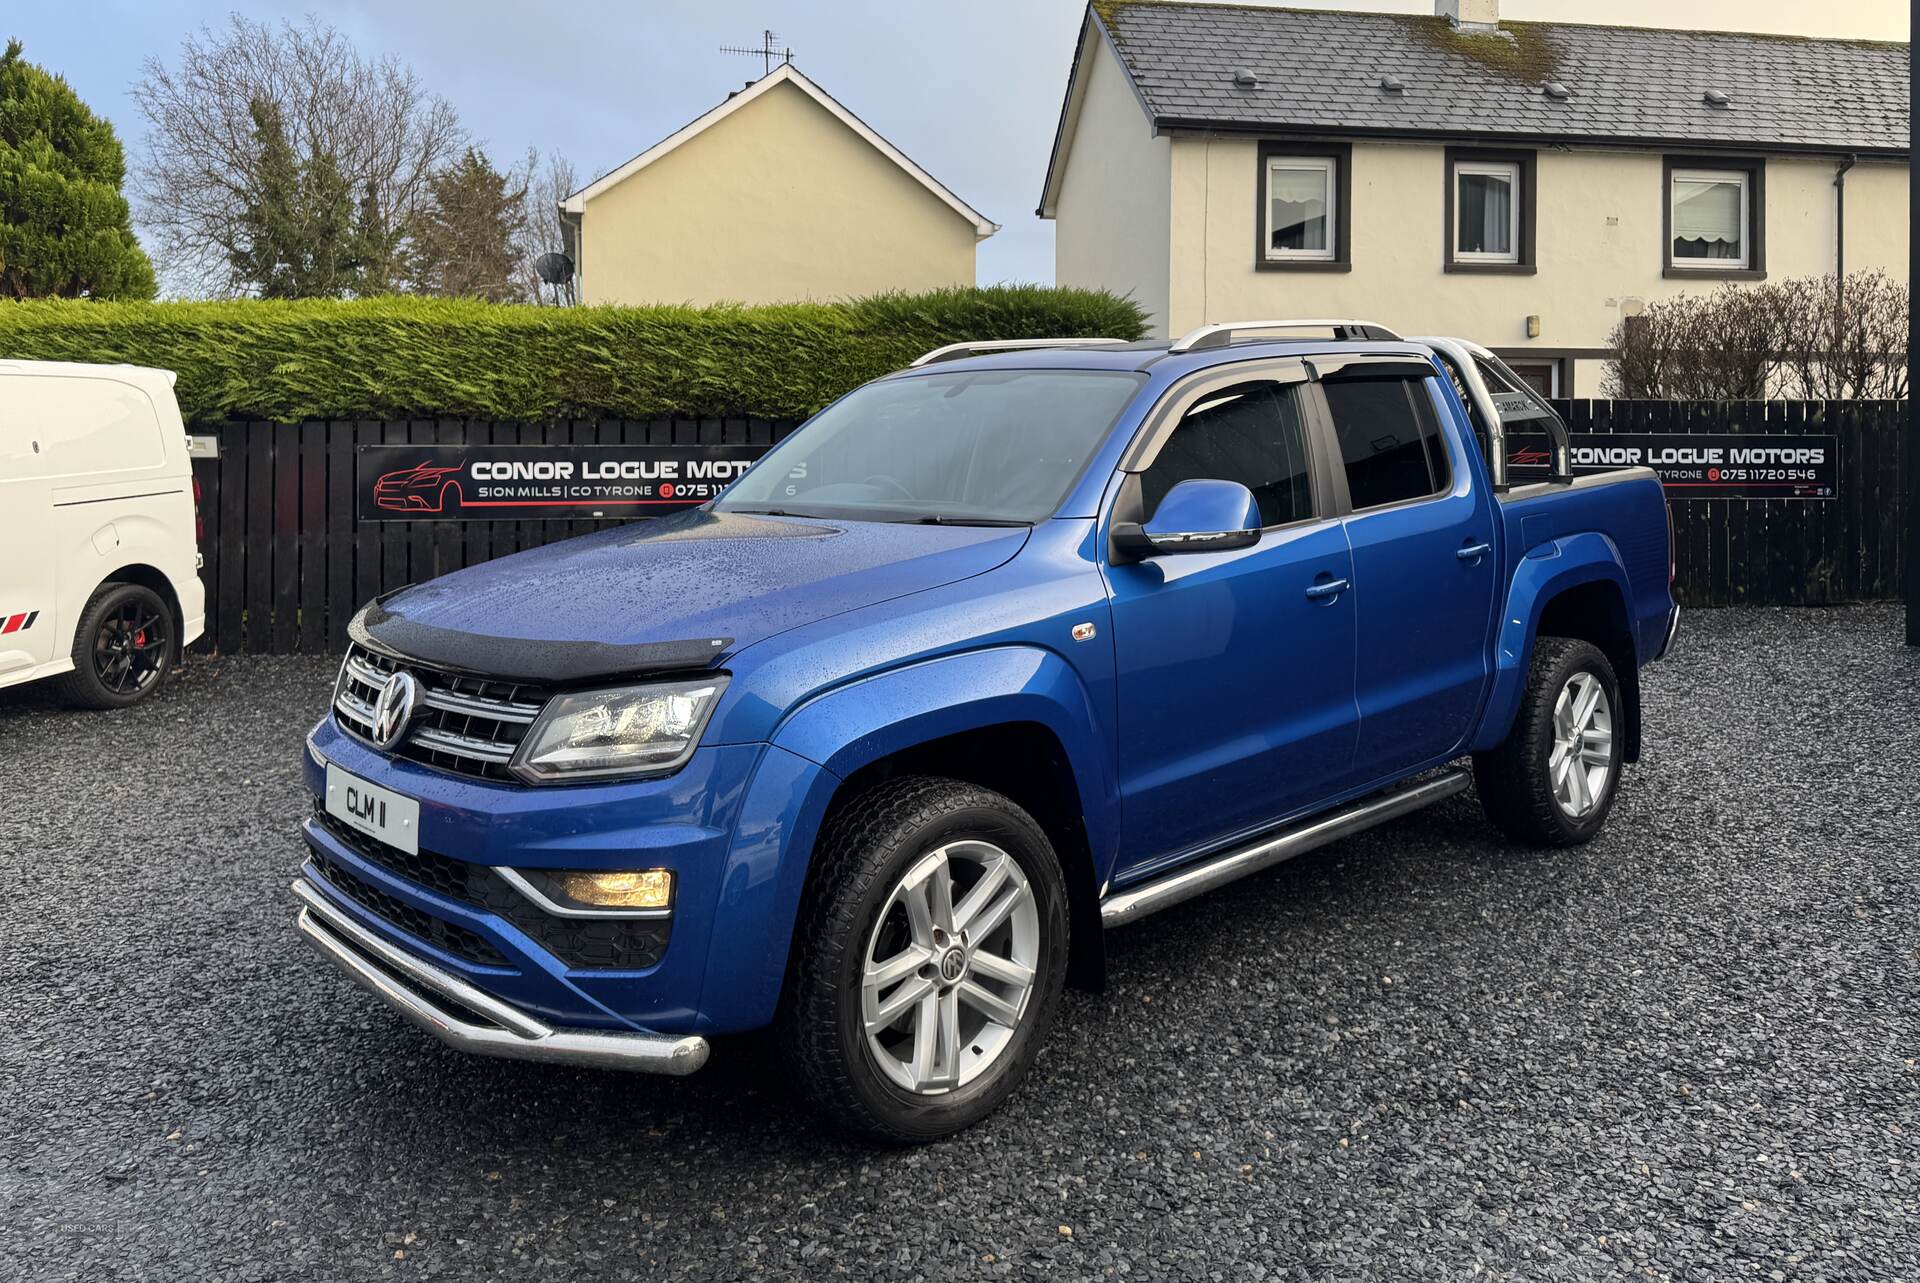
x=1321 y=68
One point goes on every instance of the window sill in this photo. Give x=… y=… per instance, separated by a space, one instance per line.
x=1493 y=269
x=1673 y=273
x=1302 y=265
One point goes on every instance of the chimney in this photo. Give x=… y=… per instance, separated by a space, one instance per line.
x=1469 y=15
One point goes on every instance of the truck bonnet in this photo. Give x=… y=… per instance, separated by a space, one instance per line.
x=675 y=592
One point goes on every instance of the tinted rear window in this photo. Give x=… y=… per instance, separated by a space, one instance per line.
x=1389 y=439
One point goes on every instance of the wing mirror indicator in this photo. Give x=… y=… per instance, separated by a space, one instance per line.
x=1198 y=515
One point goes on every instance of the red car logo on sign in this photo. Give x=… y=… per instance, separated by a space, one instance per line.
x=421 y=488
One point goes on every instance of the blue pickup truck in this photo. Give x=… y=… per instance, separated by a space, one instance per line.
x=1019 y=644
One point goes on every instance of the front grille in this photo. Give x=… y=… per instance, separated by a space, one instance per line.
x=444 y=935
x=468 y=725
x=583 y=944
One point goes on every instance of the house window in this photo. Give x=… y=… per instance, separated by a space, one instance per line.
x=1300 y=207
x=1490 y=211
x=1715 y=217
x=1302 y=219
x=1710 y=214
x=1486 y=208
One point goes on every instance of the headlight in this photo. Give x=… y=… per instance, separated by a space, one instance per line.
x=633 y=730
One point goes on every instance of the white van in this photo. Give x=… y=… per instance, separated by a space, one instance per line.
x=99 y=580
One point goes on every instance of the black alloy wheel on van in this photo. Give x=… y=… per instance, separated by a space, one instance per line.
x=123 y=649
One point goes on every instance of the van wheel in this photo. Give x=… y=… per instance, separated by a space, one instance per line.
x=1553 y=781
x=123 y=649
x=929 y=957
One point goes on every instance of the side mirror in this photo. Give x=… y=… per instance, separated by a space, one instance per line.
x=1201 y=515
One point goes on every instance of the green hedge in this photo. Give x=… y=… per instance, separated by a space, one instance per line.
x=407 y=357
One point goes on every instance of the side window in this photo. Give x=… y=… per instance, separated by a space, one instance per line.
x=1389 y=439
x=1251 y=433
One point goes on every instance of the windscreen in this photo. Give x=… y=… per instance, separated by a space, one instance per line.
x=964 y=447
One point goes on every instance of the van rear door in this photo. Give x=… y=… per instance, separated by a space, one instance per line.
x=27 y=614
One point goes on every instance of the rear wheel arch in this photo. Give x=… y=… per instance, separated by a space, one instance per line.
x=147 y=577
x=1596 y=612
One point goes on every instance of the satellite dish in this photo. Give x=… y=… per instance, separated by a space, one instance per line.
x=554 y=269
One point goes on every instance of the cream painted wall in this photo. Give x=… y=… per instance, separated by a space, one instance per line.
x=777 y=202
x=1599 y=243
x=1112 y=213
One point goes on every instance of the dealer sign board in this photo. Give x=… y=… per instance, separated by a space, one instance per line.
x=540 y=482
x=1698 y=465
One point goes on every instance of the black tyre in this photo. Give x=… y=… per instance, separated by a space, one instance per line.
x=929 y=956
x=1552 y=783
x=123 y=650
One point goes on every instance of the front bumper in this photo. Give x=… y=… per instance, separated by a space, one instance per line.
x=733 y=825
x=467 y=1018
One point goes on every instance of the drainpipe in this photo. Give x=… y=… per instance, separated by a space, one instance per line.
x=1840 y=247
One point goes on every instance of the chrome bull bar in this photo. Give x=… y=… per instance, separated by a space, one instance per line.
x=411 y=986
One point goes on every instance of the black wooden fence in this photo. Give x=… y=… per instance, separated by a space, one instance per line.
x=1781 y=552
x=287 y=562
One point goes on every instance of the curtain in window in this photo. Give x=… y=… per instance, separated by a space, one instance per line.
x=1299 y=202
x=1706 y=218
x=1486 y=214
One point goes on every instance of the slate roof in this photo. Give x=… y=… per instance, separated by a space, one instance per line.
x=1320 y=70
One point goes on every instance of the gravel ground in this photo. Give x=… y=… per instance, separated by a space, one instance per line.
x=1685 y=1051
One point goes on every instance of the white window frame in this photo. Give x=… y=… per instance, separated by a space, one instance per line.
x=1507 y=169
x=1329 y=166
x=1745 y=180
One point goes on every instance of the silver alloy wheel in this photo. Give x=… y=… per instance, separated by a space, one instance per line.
x=949 y=967
x=1581 y=764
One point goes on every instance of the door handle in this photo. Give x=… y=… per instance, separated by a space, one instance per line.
x=1332 y=588
x=1474 y=551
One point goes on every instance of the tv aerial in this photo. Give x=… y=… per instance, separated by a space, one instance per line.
x=769 y=51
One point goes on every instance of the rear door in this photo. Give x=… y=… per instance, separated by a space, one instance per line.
x=26 y=516
x=1424 y=571
x=1235 y=685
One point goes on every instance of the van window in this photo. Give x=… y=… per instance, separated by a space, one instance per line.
x=1251 y=433
x=90 y=426
x=1389 y=439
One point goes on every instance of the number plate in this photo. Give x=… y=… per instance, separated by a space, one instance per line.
x=375 y=811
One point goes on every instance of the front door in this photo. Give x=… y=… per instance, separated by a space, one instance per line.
x=1424 y=572
x=1235 y=668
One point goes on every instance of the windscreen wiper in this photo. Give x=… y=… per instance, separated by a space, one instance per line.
x=932 y=520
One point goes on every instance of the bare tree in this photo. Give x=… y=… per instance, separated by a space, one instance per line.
x=547 y=184
x=386 y=133
x=1804 y=338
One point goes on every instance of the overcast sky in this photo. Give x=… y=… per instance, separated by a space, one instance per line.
x=969 y=88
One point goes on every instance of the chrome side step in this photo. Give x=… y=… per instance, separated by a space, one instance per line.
x=1184 y=883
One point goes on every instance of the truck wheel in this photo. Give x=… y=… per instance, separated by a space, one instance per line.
x=929 y=957
x=1553 y=781
x=123 y=649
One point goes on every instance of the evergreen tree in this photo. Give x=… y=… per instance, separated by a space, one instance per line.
x=298 y=236
x=465 y=242
x=64 y=226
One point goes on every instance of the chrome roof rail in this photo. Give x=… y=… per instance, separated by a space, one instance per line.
x=957 y=351
x=1221 y=333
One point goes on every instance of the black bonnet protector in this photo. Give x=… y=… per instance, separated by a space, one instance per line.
x=521 y=659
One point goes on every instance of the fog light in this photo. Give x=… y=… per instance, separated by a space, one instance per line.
x=637 y=889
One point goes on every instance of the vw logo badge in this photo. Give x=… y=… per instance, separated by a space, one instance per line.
x=394 y=708
x=953 y=965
